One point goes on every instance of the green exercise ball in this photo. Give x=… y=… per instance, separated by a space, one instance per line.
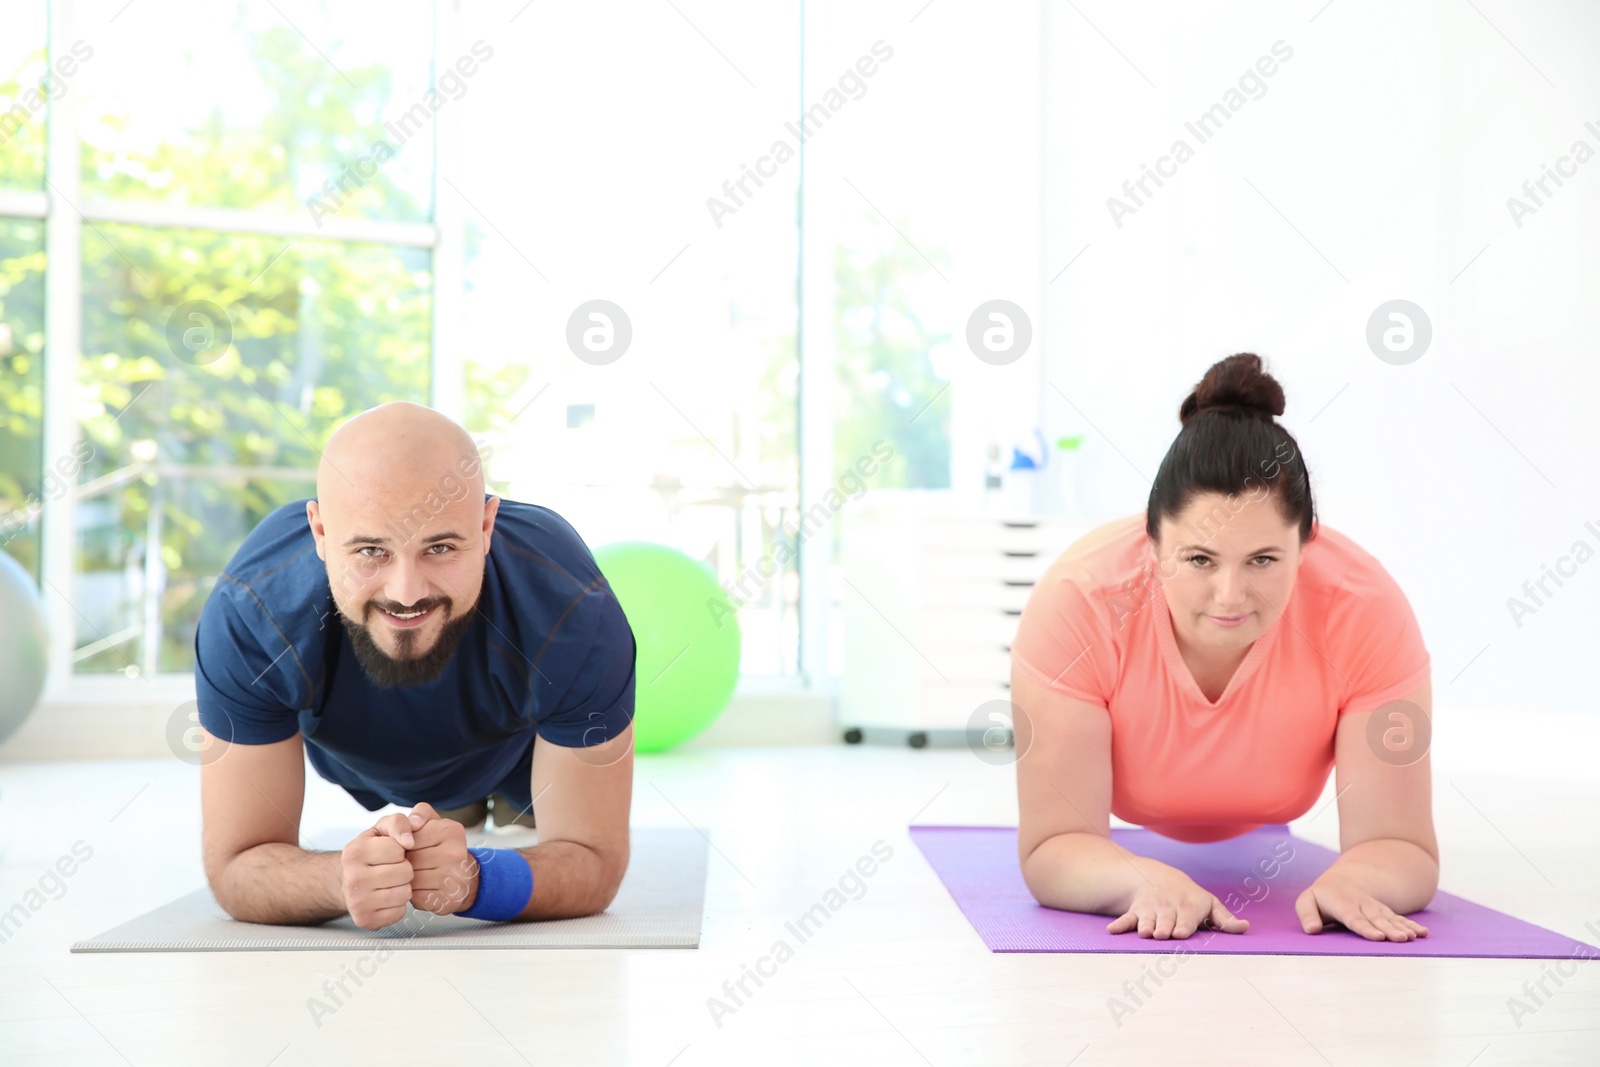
x=688 y=639
x=22 y=645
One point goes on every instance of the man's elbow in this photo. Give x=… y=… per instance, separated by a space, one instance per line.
x=612 y=866
x=237 y=905
x=216 y=868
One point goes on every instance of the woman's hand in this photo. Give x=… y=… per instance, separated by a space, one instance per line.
x=1334 y=898
x=1170 y=904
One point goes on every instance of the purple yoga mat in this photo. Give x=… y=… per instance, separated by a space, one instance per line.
x=1257 y=875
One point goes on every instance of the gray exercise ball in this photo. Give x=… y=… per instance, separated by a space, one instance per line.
x=22 y=645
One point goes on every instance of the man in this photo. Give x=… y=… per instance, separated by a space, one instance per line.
x=424 y=645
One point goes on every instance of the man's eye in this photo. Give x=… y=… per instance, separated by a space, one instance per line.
x=447 y=548
x=369 y=548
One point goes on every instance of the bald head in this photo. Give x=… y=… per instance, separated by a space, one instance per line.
x=403 y=526
x=396 y=447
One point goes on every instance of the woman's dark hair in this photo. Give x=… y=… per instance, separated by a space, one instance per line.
x=1231 y=443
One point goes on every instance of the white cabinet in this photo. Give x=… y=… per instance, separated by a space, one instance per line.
x=931 y=602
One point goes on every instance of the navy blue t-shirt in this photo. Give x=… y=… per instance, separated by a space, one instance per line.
x=548 y=651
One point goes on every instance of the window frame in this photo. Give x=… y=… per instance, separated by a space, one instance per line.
x=66 y=213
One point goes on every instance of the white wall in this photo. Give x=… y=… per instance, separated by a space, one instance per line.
x=1377 y=165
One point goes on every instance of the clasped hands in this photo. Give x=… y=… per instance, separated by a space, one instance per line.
x=1175 y=907
x=419 y=858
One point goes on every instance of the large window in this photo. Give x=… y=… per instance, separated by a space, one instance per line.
x=233 y=236
x=667 y=317
x=24 y=491
x=255 y=106
x=631 y=352
x=214 y=367
x=24 y=96
x=922 y=196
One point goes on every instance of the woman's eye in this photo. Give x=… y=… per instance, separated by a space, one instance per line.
x=1207 y=559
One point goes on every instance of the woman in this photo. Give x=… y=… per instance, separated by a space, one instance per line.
x=1196 y=669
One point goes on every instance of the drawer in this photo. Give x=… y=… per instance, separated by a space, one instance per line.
x=1041 y=539
x=1006 y=565
x=983 y=531
x=959 y=532
x=942 y=591
x=1023 y=569
x=947 y=564
x=967 y=626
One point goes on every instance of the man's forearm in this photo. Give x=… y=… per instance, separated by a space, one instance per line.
x=570 y=880
x=1397 y=873
x=282 y=883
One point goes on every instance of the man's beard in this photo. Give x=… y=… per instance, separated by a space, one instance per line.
x=388 y=672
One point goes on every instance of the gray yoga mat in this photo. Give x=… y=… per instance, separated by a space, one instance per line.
x=659 y=905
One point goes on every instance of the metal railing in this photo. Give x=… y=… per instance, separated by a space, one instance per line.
x=149 y=575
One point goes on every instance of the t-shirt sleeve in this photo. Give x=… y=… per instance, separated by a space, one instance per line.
x=598 y=705
x=1374 y=640
x=238 y=679
x=1063 y=641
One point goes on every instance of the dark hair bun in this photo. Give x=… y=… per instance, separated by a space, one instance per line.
x=1237 y=385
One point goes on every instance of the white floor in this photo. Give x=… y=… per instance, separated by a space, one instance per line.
x=895 y=977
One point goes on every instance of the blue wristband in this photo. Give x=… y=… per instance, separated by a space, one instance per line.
x=505 y=884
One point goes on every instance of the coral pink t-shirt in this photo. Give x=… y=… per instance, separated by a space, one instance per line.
x=1097 y=628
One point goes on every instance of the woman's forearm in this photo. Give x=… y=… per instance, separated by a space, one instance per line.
x=1088 y=873
x=1397 y=873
